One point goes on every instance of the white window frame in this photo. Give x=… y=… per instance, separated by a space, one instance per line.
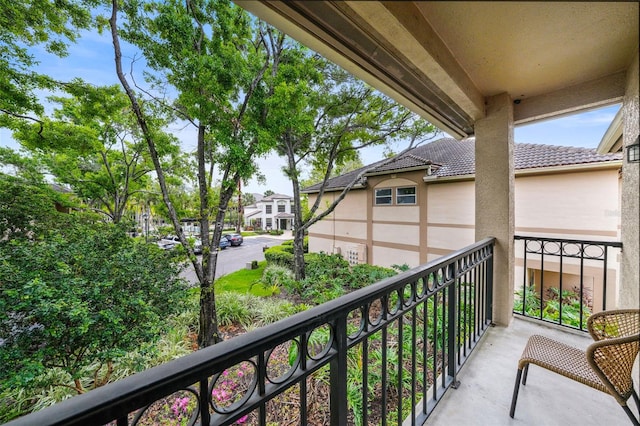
x=378 y=198
x=406 y=199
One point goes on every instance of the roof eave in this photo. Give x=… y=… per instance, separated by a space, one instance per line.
x=600 y=165
x=338 y=188
x=612 y=139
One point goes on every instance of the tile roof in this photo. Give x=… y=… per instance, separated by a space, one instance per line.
x=457 y=158
x=275 y=197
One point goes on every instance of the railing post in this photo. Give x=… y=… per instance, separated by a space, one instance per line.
x=452 y=339
x=489 y=282
x=338 y=374
x=205 y=415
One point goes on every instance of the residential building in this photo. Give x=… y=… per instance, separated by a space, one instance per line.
x=419 y=206
x=270 y=213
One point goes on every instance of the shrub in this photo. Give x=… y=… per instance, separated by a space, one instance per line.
x=268 y=310
x=362 y=275
x=277 y=255
x=274 y=277
x=234 y=308
x=329 y=276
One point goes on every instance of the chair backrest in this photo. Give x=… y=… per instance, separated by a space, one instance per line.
x=611 y=324
x=611 y=356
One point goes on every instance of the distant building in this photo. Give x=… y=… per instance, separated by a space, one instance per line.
x=270 y=213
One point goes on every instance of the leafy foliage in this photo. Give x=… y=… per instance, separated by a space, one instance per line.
x=529 y=300
x=275 y=277
x=91 y=144
x=77 y=293
x=50 y=24
x=328 y=276
x=279 y=255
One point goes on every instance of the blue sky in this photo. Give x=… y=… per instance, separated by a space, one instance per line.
x=92 y=60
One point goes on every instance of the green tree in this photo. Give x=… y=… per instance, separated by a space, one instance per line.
x=214 y=61
x=46 y=23
x=323 y=116
x=76 y=292
x=92 y=145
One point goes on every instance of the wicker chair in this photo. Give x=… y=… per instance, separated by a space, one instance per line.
x=605 y=366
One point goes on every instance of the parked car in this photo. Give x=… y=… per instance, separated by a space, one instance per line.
x=224 y=243
x=170 y=241
x=234 y=239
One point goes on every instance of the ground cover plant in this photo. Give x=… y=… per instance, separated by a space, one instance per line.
x=529 y=299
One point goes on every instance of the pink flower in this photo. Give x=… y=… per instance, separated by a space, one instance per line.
x=180 y=406
x=242 y=419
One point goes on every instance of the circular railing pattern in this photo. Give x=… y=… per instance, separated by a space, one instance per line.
x=181 y=407
x=586 y=250
x=319 y=342
x=374 y=312
x=231 y=388
x=282 y=361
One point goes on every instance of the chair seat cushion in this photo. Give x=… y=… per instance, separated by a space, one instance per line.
x=562 y=359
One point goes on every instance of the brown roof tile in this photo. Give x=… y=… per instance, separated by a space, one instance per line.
x=457 y=158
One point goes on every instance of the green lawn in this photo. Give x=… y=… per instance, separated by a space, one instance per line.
x=241 y=281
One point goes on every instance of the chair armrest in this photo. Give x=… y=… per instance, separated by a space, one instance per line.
x=612 y=360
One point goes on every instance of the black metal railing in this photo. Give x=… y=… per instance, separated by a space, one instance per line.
x=384 y=353
x=564 y=281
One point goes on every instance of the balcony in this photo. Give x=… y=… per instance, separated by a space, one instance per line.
x=486 y=386
x=425 y=337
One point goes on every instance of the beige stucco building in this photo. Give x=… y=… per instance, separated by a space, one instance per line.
x=420 y=206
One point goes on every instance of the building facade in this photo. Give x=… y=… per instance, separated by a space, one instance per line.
x=420 y=206
x=270 y=213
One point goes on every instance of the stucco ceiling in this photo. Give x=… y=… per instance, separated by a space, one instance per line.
x=442 y=59
x=530 y=48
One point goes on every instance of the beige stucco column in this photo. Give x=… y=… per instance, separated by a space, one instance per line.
x=495 y=197
x=629 y=296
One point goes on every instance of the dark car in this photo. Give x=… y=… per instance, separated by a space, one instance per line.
x=234 y=239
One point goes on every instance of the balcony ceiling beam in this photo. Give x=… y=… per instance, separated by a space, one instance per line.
x=362 y=37
x=581 y=97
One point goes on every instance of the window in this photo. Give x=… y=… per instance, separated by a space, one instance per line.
x=268 y=209
x=406 y=195
x=383 y=196
x=281 y=208
x=269 y=222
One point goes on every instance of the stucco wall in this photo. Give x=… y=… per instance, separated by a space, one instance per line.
x=345 y=225
x=575 y=205
x=450 y=217
x=630 y=208
x=386 y=256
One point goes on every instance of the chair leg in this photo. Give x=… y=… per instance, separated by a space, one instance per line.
x=526 y=371
x=516 y=388
x=635 y=398
x=631 y=416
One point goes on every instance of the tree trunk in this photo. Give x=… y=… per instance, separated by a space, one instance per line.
x=298 y=229
x=208 y=333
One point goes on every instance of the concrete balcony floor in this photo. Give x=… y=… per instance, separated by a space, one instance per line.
x=487 y=379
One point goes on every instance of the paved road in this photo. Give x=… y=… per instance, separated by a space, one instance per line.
x=232 y=259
